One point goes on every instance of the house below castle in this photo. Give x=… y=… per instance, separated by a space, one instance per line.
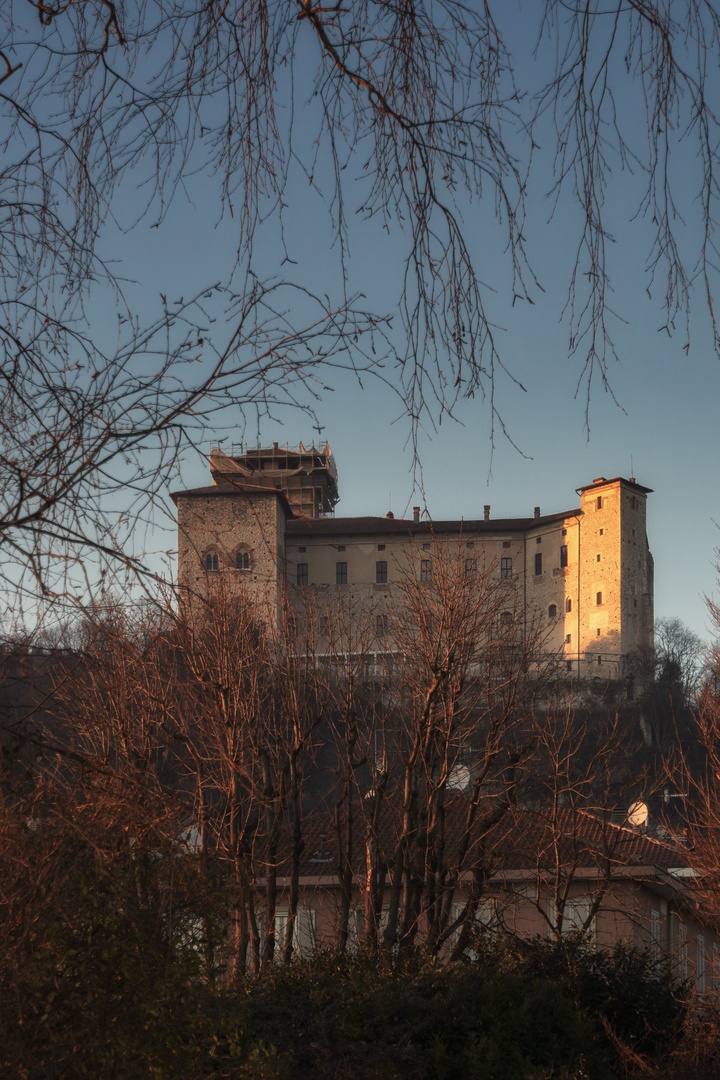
x=266 y=523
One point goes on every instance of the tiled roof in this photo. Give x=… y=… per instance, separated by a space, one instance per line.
x=371 y=526
x=523 y=840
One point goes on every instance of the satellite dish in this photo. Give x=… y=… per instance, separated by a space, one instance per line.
x=637 y=815
x=459 y=778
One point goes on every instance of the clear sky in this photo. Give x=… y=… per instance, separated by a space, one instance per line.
x=660 y=421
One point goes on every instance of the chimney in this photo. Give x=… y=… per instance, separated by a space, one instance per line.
x=390 y=516
x=416 y=513
x=487 y=512
x=275 y=446
x=537 y=511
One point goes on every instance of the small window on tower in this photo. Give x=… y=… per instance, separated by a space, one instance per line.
x=552 y=611
x=563 y=555
x=568 y=639
x=598 y=598
x=597 y=558
x=599 y=502
x=302 y=573
x=242 y=560
x=211 y=560
x=568 y=604
x=538 y=563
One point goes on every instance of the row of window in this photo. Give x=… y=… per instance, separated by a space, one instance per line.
x=212 y=560
x=552 y=610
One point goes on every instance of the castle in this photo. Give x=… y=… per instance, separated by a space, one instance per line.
x=267 y=521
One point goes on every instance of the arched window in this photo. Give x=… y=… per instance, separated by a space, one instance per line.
x=552 y=611
x=568 y=604
x=505 y=618
x=211 y=560
x=242 y=560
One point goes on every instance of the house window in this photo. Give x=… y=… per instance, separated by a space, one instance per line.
x=569 y=665
x=568 y=639
x=598 y=599
x=597 y=632
x=506 y=568
x=302 y=573
x=552 y=611
x=302 y=549
x=381 y=547
x=700 y=967
x=655 y=935
x=682 y=952
x=599 y=502
x=470 y=569
x=323 y=625
x=564 y=532
x=568 y=604
x=602 y=532
x=341 y=547
x=599 y=659
x=563 y=555
x=211 y=560
x=341 y=573
x=426 y=547
x=505 y=618
x=470 y=544
x=506 y=543
x=242 y=560
x=381 y=572
x=381 y=625
x=597 y=558
x=538 y=539
x=538 y=564
x=426 y=570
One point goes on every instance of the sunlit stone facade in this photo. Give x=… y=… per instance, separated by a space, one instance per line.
x=584 y=575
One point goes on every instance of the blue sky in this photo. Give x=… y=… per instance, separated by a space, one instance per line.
x=660 y=420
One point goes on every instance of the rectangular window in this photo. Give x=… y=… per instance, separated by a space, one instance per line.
x=599 y=502
x=568 y=639
x=506 y=568
x=381 y=625
x=563 y=555
x=426 y=547
x=381 y=572
x=470 y=544
x=506 y=543
x=426 y=570
x=302 y=550
x=655 y=935
x=538 y=539
x=470 y=569
x=381 y=547
x=302 y=573
x=598 y=599
x=538 y=563
x=341 y=573
x=341 y=547
x=323 y=625
x=564 y=532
